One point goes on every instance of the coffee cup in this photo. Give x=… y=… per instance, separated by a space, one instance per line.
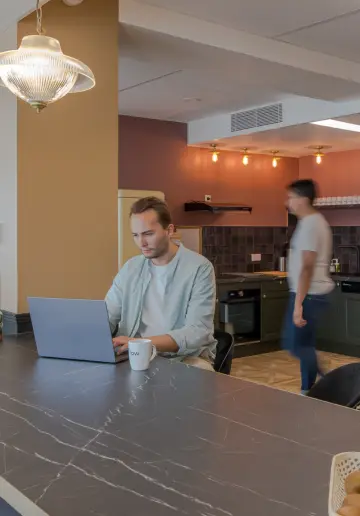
x=141 y=353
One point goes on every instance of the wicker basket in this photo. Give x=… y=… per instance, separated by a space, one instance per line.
x=342 y=465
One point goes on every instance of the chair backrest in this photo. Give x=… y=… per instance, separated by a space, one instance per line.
x=224 y=352
x=341 y=386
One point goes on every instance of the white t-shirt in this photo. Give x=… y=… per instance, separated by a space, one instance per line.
x=153 y=322
x=312 y=233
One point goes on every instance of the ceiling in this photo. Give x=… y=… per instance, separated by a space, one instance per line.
x=13 y=10
x=213 y=58
x=157 y=71
x=338 y=37
x=187 y=60
x=170 y=78
x=293 y=141
x=269 y=19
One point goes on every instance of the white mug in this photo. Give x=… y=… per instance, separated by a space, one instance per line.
x=141 y=353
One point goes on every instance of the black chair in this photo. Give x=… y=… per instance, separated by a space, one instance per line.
x=224 y=352
x=341 y=386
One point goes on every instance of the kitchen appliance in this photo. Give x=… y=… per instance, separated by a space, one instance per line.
x=282 y=264
x=283 y=260
x=334 y=266
x=239 y=313
x=350 y=287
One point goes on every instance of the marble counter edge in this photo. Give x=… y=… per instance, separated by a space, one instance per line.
x=18 y=501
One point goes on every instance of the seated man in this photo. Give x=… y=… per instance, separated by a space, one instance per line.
x=167 y=294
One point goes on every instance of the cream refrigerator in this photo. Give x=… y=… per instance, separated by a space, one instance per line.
x=126 y=198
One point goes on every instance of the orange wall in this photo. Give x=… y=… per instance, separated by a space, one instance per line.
x=154 y=155
x=68 y=165
x=338 y=175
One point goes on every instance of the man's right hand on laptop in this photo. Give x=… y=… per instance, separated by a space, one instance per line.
x=121 y=344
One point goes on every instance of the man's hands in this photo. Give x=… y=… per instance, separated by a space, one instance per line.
x=121 y=344
x=163 y=344
x=298 y=319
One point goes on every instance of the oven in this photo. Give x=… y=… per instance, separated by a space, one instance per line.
x=239 y=314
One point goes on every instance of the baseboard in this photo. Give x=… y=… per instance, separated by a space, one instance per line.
x=15 y=324
x=257 y=348
x=340 y=348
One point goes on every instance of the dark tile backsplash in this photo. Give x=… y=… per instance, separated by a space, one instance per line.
x=230 y=248
x=346 y=235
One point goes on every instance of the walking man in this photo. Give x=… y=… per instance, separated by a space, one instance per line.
x=309 y=279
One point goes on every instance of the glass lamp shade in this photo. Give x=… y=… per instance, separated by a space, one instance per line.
x=39 y=73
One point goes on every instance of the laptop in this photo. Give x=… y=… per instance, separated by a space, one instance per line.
x=73 y=329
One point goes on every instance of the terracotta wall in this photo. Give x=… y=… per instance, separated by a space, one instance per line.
x=154 y=155
x=338 y=175
x=68 y=165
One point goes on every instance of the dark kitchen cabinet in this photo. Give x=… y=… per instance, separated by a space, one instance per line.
x=332 y=326
x=274 y=300
x=352 y=319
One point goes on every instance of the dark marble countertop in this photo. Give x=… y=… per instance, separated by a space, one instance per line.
x=100 y=440
x=345 y=276
x=246 y=277
x=241 y=277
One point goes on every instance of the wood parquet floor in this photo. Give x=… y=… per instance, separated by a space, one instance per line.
x=280 y=370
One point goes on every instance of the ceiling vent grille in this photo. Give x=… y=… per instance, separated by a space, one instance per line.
x=258 y=117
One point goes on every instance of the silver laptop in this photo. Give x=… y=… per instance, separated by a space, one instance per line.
x=75 y=329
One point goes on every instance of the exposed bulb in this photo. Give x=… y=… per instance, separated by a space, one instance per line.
x=318 y=159
x=245 y=159
x=274 y=162
x=215 y=157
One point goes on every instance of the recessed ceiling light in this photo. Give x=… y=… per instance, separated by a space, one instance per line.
x=337 y=124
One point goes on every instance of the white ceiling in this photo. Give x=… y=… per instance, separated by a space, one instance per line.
x=339 y=37
x=264 y=18
x=293 y=141
x=13 y=10
x=157 y=72
x=158 y=75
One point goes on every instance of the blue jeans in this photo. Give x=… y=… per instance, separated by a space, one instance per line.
x=301 y=342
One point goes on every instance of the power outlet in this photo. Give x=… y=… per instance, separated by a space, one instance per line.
x=207 y=198
x=256 y=257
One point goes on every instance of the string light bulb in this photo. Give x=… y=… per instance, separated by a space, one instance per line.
x=215 y=153
x=245 y=159
x=275 y=159
x=319 y=155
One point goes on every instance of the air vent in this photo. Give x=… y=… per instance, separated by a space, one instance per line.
x=258 y=117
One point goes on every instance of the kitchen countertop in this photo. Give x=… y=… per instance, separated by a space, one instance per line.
x=342 y=276
x=91 y=439
x=241 y=277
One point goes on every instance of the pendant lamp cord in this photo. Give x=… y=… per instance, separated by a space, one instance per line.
x=39 y=27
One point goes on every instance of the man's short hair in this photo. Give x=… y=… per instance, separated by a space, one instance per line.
x=305 y=188
x=153 y=203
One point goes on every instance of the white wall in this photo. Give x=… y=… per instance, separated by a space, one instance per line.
x=8 y=187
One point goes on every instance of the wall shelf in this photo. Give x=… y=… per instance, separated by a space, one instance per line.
x=215 y=207
x=337 y=203
x=336 y=206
